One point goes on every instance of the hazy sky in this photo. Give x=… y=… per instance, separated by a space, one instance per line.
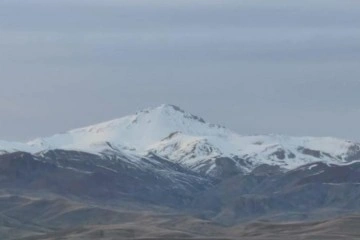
x=287 y=67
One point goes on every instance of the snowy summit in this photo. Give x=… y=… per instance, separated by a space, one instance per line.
x=173 y=134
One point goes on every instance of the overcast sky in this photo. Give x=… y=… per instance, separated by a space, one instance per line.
x=257 y=67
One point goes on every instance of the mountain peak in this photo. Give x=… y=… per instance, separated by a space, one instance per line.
x=162 y=108
x=170 y=106
x=169 y=109
x=137 y=131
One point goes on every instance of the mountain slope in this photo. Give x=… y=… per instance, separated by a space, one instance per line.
x=311 y=191
x=30 y=218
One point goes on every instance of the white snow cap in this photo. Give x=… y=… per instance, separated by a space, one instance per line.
x=136 y=131
x=182 y=137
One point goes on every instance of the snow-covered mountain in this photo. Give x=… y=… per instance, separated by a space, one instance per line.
x=180 y=137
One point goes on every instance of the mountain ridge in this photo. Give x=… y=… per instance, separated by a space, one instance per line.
x=186 y=139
